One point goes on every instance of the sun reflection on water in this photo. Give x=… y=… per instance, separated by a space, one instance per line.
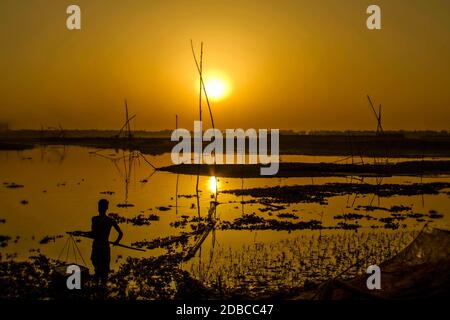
x=213 y=184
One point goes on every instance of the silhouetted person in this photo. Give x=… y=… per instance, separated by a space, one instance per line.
x=100 y=230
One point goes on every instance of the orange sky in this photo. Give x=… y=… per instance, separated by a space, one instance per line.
x=304 y=65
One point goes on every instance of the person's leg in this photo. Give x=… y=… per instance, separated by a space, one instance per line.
x=104 y=262
x=101 y=260
x=105 y=265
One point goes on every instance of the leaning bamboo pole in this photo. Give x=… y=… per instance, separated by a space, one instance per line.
x=202 y=84
x=200 y=70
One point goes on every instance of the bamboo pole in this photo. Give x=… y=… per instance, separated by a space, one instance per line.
x=86 y=235
x=200 y=71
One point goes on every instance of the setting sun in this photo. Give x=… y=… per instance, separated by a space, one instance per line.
x=217 y=87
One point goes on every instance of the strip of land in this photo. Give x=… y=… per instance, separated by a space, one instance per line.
x=299 y=169
x=369 y=145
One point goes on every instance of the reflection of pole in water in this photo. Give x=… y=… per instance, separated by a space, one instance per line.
x=197 y=196
x=128 y=169
x=208 y=228
x=378 y=181
x=178 y=175
x=128 y=158
x=42 y=151
x=242 y=195
x=126 y=176
x=319 y=256
x=59 y=151
x=176 y=195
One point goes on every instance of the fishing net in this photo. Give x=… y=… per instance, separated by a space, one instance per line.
x=420 y=271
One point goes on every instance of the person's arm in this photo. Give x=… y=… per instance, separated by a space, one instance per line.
x=88 y=234
x=119 y=231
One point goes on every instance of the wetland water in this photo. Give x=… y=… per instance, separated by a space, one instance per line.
x=260 y=243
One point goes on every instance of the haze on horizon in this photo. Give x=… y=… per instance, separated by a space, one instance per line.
x=302 y=65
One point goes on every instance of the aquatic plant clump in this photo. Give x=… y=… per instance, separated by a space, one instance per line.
x=139 y=220
x=137 y=279
x=254 y=222
x=4 y=241
x=154 y=279
x=27 y=280
x=320 y=193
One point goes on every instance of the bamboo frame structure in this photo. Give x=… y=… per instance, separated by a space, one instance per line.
x=377 y=116
x=127 y=124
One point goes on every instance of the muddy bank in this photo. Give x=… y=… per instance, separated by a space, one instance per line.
x=299 y=169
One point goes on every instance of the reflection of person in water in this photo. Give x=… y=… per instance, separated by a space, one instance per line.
x=100 y=230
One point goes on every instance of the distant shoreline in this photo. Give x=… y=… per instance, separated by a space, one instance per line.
x=385 y=146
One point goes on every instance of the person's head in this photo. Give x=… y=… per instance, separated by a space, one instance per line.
x=103 y=206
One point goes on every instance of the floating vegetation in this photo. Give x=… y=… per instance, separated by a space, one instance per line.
x=24 y=202
x=370 y=208
x=13 y=185
x=47 y=239
x=319 y=193
x=352 y=216
x=139 y=220
x=181 y=223
x=287 y=216
x=400 y=208
x=391 y=219
x=415 y=215
x=107 y=192
x=187 y=196
x=4 y=241
x=117 y=217
x=185 y=220
x=433 y=214
x=254 y=222
x=163 y=208
x=270 y=206
x=391 y=222
x=125 y=205
x=164 y=242
x=2 y=220
x=348 y=226
x=395 y=208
